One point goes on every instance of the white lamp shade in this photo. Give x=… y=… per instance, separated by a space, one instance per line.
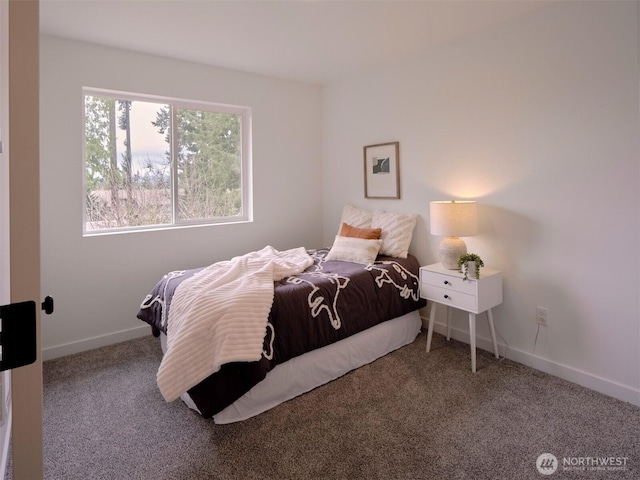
x=454 y=218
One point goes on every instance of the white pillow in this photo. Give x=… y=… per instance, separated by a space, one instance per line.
x=356 y=217
x=397 y=230
x=352 y=249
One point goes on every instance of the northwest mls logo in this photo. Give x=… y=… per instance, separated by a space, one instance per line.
x=547 y=463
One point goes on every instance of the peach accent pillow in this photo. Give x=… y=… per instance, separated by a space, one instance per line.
x=368 y=233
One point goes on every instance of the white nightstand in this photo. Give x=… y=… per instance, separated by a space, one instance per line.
x=446 y=287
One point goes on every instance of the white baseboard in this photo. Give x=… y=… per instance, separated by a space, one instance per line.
x=599 y=384
x=58 y=351
x=571 y=374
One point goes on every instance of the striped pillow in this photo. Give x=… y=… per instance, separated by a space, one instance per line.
x=397 y=230
x=356 y=250
x=356 y=217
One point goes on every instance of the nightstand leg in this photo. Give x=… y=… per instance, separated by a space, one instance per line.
x=493 y=333
x=432 y=317
x=472 y=340
x=448 y=323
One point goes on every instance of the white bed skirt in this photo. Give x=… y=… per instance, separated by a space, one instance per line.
x=306 y=372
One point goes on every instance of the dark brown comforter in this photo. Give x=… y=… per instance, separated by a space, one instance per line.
x=329 y=301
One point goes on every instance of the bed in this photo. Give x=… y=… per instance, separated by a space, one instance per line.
x=347 y=306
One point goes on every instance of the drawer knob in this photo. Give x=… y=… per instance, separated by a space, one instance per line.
x=446 y=282
x=446 y=296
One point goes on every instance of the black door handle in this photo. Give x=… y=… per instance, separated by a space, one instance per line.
x=47 y=305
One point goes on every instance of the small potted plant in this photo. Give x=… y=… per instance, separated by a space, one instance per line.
x=469 y=265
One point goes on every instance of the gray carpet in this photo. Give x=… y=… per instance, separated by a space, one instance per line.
x=409 y=415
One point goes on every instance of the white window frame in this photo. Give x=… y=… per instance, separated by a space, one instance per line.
x=246 y=177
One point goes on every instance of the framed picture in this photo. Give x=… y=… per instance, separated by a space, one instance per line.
x=382 y=170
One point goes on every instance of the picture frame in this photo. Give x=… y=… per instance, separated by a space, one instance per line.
x=382 y=170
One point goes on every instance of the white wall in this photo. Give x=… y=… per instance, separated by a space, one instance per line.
x=537 y=119
x=99 y=282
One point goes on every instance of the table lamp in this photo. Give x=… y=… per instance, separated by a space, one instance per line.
x=453 y=219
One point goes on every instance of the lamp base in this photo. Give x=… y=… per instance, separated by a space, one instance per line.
x=450 y=250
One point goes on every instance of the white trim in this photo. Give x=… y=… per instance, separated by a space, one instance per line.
x=613 y=389
x=175 y=101
x=71 y=348
x=174 y=164
x=607 y=387
x=156 y=228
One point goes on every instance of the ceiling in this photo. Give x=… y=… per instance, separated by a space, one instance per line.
x=316 y=41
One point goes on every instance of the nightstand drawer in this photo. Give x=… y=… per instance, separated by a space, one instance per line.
x=449 y=297
x=449 y=282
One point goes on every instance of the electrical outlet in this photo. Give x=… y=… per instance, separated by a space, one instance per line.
x=542 y=316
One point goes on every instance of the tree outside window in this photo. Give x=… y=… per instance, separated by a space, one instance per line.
x=153 y=164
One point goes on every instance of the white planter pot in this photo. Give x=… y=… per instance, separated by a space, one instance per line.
x=470 y=269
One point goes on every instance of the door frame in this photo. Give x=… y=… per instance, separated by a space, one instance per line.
x=5 y=278
x=23 y=152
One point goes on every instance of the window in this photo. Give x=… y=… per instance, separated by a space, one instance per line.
x=153 y=162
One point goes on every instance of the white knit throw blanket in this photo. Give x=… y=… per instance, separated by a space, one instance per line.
x=220 y=316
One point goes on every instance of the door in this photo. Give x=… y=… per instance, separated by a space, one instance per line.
x=20 y=217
